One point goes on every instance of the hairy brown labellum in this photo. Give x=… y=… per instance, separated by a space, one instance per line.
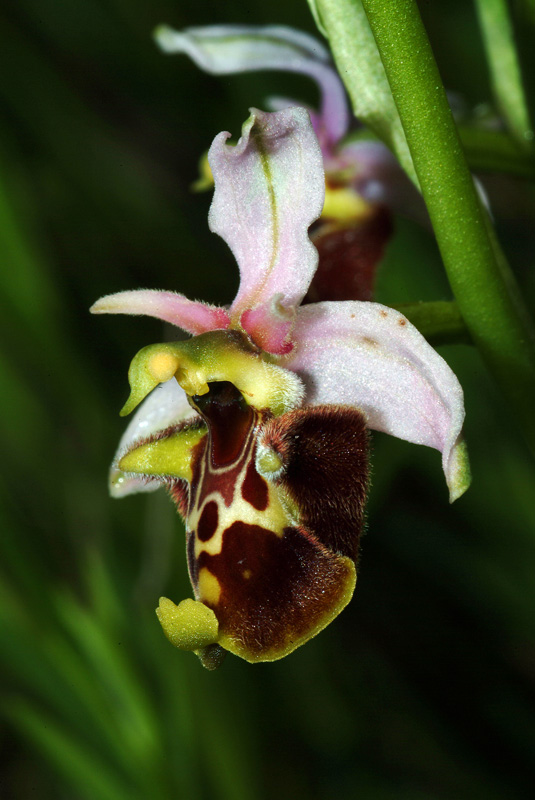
x=273 y=506
x=273 y=554
x=324 y=450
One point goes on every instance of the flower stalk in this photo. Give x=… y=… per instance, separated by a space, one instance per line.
x=489 y=150
x=440 y=321
x=506 y=78
x=484 y=287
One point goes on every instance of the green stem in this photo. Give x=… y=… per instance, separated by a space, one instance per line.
x=495 y=151
x=483 y=285
x=504 y=67
x=439 y=321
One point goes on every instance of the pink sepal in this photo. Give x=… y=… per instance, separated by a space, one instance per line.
x=269 y=188
x=370 y=356
x=229 y=49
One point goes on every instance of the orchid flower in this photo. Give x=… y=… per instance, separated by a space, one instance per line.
x=258 y=424
x=364 y=181
x=364 y=169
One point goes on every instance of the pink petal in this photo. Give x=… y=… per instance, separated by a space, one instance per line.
x=269 y=326
x=165 y=406
x=370 y=356
x=229 y=49
x=269 y=188
x=190 y=315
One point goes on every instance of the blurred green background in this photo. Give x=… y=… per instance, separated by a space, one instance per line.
x=424 y=687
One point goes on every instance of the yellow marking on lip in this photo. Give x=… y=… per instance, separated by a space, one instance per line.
x=209 y=587
x=275 y=518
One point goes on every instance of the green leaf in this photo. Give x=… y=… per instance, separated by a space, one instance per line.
x=83 y=769
x=133 y=712
x=361 y=69
x=313 y=5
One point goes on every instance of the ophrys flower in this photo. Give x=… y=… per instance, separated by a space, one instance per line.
x=364 y=182
x=257 y=425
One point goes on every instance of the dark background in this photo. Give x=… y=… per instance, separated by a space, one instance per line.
x=424 y=687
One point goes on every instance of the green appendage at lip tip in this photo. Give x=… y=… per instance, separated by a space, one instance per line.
x=190 y=625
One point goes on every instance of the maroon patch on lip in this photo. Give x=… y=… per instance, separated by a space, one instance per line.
x=229 y=420
x=208 y=522
x=348 y=257
x=229 y=443
x=324 y=450
x=255 y=489
x=274 y=590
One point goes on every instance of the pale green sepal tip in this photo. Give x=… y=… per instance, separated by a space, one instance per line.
x=314 y=10
x=190 y=625
x=201 y=185
x=205 y=181
x=161 y=34
x=461 y=476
